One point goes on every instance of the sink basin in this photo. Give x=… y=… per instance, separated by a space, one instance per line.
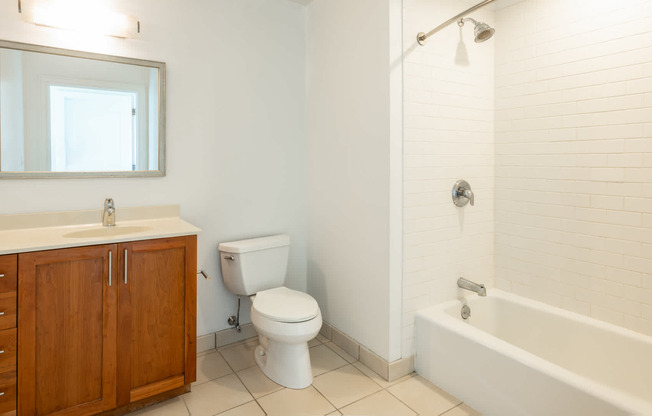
x=107 y=231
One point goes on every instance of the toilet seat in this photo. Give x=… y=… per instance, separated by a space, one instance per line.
x=285 y=305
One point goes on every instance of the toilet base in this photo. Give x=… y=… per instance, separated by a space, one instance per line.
x=285 y=364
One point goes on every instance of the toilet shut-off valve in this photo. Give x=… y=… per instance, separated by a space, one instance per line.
x=462 y=193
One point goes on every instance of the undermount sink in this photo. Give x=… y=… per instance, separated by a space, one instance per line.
x=107 y=231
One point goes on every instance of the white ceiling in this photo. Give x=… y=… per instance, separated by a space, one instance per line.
x=497 y=5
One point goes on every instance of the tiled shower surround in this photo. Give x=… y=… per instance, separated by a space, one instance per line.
x=574 y=156
x=448 y=135
x=551 y=123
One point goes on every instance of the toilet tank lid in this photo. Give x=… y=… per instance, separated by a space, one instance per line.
x=255 y=244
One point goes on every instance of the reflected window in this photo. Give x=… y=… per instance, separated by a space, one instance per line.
x=92 y=129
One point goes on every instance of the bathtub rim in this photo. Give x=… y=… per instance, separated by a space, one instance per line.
x=439 y=315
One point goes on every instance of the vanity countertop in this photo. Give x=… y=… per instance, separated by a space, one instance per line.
x=22 y=233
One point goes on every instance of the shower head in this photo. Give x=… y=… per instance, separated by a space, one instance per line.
x=482 y=30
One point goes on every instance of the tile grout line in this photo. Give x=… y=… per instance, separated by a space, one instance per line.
x=186 y=404
x=325 y=398
x=370 y=394
x=443 y=414
x=250 y=393
x=404 y=404
x=338 y=409
x=340 y=355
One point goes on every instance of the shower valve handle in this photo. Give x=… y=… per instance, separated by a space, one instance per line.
x=469 y=194
x=462 y=193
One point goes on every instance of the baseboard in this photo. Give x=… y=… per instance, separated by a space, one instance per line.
x=388 y=371
x=224 y=337
x=205 y=342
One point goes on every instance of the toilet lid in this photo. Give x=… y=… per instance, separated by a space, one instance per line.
x=285 y=305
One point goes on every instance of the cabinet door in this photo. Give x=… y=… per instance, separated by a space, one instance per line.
x=156 y=316
x=67 y=316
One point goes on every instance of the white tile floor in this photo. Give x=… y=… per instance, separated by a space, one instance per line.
x=230 y=384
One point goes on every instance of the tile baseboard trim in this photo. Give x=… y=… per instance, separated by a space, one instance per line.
x=326 y=330
x=225 y=337
x=205 y=342
x=400 y=368
x=345 y=342
x=388 y=371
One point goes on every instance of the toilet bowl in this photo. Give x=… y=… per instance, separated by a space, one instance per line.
x=284 y=329
x=284 y=319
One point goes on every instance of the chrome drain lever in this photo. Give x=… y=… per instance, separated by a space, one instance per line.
x=466 y=312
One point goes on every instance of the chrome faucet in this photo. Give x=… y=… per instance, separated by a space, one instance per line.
x=474 y=287
x=462 y=193
x=468 y=194
x=108 y=216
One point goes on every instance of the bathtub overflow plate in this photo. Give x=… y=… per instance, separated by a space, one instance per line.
x=466 y=311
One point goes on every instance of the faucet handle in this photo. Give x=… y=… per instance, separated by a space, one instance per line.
x=469 y=194
x=462 y=193
x=108 y=215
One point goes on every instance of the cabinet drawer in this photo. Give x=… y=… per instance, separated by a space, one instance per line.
x=8 y=350
x=8 y=393
x=8 y=272
x=7 y=310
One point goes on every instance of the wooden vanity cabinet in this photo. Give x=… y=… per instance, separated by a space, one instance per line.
x=102 y=327
x=8 y=345
x=156 y=317
x=66 y=331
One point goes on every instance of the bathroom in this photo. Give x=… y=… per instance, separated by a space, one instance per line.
x=325 y=121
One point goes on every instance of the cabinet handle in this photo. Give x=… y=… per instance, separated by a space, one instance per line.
x=110 y=266
x=2 y=351
x=2 y=275
x=125 y=267
x=2 y=393
x=2 y=313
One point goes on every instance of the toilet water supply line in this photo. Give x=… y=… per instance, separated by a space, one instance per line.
x=233 y=320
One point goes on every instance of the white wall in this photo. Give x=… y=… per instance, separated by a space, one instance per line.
x=235 y=128
x=449 y=135
x=352 y=150
x=574 y=156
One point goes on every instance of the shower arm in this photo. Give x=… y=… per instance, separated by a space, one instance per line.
x=421 y=37
x=461 y=22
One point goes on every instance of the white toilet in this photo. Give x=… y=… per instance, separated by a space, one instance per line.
x=285 y=319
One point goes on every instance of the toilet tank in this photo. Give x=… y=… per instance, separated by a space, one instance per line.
x=249 y=266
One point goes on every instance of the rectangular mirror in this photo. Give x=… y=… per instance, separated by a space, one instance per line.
x=69 y=114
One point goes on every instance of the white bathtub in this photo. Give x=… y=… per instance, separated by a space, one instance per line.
x=519 y=357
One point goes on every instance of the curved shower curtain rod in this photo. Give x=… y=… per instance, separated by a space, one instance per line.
x=421 y=37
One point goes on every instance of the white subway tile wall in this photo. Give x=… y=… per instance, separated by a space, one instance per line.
x=551 y=123
x=448 y=135
x=574 y=156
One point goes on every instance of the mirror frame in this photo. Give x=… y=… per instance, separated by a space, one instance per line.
x=108 y=58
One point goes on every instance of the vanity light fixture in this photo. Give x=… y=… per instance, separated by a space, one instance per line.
x=79 y=15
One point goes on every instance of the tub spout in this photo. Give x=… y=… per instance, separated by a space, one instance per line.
x=474 y=287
